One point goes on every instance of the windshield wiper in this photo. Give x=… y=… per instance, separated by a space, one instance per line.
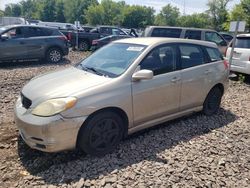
x=92 y=69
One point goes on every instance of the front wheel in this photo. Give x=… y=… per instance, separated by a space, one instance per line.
x=212 y=102
x=101 y=134
x=54 y=55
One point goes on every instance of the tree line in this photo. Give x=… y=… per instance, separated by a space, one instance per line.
x=109 y=12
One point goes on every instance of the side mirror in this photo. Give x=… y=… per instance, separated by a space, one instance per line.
x=143 y=75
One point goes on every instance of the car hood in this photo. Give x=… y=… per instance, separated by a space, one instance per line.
x=61 y=83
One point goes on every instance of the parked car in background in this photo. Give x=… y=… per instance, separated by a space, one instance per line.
x=98 y=43
x=22 y=42
x=187 y=33
x=59 y=25
x=228 y=37
x=85 y=38
x=241 y=55
x=87 y=28
x=12 y=21
x=124 y=87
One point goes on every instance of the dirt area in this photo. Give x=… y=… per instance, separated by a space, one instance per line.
x=195 y=151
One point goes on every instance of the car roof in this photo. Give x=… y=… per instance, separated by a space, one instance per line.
x=170 y=27
x=148 y=41
x=37 y=26
x=244 y=35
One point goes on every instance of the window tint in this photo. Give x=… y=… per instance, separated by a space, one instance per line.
x=242 y=42
x=214 y=54
x=166 y=32
x=191 y=55
x=215 y=37
x=14 y=33
x=160 y=60
x=193 y=34
x=116 y=31
x=35 y=32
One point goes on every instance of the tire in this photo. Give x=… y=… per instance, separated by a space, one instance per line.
x=101 y=133
x=83 y=46
x=212 y=102
x=54 y=55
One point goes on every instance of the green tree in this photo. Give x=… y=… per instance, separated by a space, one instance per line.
x=107 y=12
x=218 y=12
x=29 y=8
x=1 y=13
x=48 y=11
x=59 y=12
x=246 y=8
x=196 y=20
x=76 y=9
x=138 y=16
x=168 y=16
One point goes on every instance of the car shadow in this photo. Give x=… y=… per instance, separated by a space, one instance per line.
x=56 y=168
x=31 y=63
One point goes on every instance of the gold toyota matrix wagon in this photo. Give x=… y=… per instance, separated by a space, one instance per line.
x=129 y=85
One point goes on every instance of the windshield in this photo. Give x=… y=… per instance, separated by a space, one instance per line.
x=112 y=60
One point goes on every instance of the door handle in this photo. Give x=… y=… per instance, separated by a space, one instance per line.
x=208 y=71
x=175 y=79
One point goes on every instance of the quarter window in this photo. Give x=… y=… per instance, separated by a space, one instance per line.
x=214 y=54
x=191 y=55
x=161 y=60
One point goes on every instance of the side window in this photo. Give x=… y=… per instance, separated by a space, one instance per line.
x=166 y=32
x=193 y=34
x=14 y=33
x=160 y=60
x=191 y=55
x=214 y=54
x=215 y=37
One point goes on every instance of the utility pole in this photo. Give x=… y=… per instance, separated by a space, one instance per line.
x=184 y=8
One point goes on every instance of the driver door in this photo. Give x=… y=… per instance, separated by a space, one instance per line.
x=12 y=45
x=159 y=96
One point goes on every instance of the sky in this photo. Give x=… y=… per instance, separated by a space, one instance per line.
x=191 y=6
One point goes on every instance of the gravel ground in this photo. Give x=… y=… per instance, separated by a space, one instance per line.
x=195 y=151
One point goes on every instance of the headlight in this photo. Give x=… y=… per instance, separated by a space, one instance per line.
x=54 y=106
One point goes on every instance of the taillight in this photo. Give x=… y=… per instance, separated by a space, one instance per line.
x=226 y=64
x=69 y=36
x=94 y=42
x=63 y=37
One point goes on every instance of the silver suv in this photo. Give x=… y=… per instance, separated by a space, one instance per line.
x=187 y=33
x=126 y=86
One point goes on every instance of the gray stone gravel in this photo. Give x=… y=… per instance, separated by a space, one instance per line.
x=195 y=151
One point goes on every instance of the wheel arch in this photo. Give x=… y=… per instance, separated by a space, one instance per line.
x=116 y=110
x=220 y=86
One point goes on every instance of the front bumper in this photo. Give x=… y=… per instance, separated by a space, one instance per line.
x=49 y=134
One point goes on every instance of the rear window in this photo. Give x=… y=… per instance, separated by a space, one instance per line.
x=214 y=54
x=166 y=32
x=242 y=42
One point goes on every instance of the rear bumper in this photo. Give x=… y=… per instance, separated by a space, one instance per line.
x=241 y=67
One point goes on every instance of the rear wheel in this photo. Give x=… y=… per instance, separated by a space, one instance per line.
x=54 y=55
x=213 y=101
x=84 y=46
x=101 y=134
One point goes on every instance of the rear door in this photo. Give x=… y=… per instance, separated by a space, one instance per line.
x=195 y=75
x=35 y=41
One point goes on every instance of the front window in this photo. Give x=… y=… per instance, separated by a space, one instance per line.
x=112 y=60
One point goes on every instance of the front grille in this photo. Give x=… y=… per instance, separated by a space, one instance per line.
x=25 y=101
